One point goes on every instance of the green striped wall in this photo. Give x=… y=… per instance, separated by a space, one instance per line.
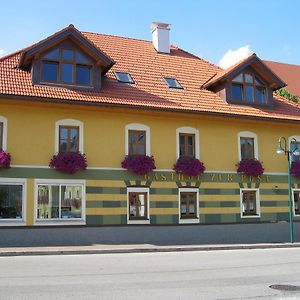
x=219 y=195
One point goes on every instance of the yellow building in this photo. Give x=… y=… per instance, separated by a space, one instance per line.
x=112 y=97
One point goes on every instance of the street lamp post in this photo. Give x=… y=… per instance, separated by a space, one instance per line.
x=288 y=152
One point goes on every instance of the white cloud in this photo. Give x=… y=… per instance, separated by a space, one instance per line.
x=233 y=56
x=2 y=52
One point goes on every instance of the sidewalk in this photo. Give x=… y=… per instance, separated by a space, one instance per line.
x=133 y=248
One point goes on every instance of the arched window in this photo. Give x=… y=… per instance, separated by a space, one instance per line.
x=247 y=87
x=68 y=136
x=137 y=139
x=187 y=140
x=247 y=145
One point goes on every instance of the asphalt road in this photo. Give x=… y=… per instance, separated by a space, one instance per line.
x=235 y=274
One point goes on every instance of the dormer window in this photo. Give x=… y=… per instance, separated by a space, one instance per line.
x=248 y=88
x=66 y=66
x=124 y=77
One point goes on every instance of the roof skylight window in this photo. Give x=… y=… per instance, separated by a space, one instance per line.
x=173 y=83
x=124 y=77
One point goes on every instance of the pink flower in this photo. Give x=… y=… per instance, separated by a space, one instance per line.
x=4 y=160
x=139 y=164
x=189 y=166
x=295 y=169
x=250 y=167
x=69 y=162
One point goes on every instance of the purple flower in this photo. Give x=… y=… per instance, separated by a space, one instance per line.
x=4 y=160
x=139 y=164
x=189 y=166
x=69 y=162
x=295 y=169
x=250 y=167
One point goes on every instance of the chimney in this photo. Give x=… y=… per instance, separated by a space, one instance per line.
x=160 y=37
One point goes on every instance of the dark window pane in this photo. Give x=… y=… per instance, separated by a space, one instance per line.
x=181 y=145
x=248 y=78
x=296 y=202
x=67 y=73
x=83 y=75
x=74 y=139
x=249 y=93
x=124 y=77
x=67 y=54
x=239 y=78
x=50 y=71
x=52 y=55
x=11 y=201
x=237 y=92
x=173 y=83
x=260 y=94
x=81 y=59
x=293 y=147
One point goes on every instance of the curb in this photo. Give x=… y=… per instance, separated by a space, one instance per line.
x=32 y=252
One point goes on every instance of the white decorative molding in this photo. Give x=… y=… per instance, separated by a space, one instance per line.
x=68 y=122
x=188 y=221
x=138 y=190
x=248 y=134
x=257 y=202
x=190 y=130
x=136 y=126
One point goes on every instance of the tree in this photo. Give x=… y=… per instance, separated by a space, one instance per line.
x=286 y=94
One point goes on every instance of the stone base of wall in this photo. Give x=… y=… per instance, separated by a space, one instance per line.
x=156 y=235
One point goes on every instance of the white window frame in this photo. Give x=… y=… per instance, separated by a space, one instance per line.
x=68 y=122
x=294 y=213
x=136 y=126
x=192 y=220
x=296 y=137
x=4 y=142
x=257 y=202
x=188 y=130
x=138 y=190
x=71 y=182
x=247 y=134
x=16 y=181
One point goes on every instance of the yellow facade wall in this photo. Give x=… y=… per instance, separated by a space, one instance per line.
x=31 y=129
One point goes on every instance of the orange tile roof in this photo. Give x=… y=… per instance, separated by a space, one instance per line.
x=289 y=73
x=147 y=68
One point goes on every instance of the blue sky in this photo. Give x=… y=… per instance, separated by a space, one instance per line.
x=209 y=29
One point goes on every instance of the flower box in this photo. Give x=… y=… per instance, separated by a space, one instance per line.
x=189 y=166
x=139 y=164
x=295 y=169
x=4 y=160
x=69 y=162
x=250 y=167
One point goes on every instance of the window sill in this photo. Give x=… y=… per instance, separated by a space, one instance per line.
x=250 y=216
x=59 y=222
x=189 y=221
x=13 y=222
x=138 y=222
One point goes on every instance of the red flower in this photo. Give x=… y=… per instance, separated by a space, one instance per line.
x=139 y=164
x=250 y=167
x=4 y=160
x=189 y=166
x=69 y=162
x=295 y=169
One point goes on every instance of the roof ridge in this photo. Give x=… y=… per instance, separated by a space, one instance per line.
x=200 y=58
x=11 y=54
x=282 y=63
x=114 y=35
